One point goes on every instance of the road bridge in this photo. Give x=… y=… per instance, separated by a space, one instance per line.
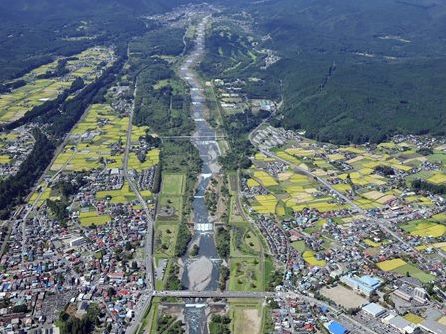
x=214 y=294
x=193 y=137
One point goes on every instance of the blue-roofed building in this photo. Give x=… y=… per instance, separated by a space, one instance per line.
x=335 y=328
x=364 y=284
x=324 y=309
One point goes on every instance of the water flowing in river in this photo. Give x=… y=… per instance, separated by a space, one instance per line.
x=200 y=272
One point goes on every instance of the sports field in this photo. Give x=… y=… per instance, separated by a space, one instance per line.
x=173 y=184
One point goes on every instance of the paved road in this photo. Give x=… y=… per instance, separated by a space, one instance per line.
x=210 y=138
x=261 y=294
x=146 y=298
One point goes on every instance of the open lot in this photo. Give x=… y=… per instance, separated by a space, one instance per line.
x=343 y=296
x=246 y=316
x=165 y=239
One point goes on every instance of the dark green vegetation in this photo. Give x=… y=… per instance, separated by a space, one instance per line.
x=219 y=324
x=223 y=242
x=237 y=128
x=162 y=99
x=15 y=188
x=354 y=70
x=385 y=170
x=173 y=282
x=194 y=251
x=33 y=32
x=183 y=239
x=72 y=325
x=430 y=187
x=230 y=55
x=66 y=187
x=167 y=324
x=224 y=276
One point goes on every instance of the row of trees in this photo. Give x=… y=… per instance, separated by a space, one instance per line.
x=427 y=186
x=15 y=188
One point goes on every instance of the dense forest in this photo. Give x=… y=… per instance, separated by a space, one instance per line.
x=237 y=127
x=354 y=70
x=33 y=33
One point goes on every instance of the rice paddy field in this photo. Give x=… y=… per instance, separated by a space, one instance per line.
x=288 y=190
x=14 y=105
x=90 y=218
x=40 y=196
x=435 y=227
x=402 y=267
x=123 y=195
x=350 y=168
x=310 y=258
x=98 y=141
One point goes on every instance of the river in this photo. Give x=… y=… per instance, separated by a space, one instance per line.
x=200 y=272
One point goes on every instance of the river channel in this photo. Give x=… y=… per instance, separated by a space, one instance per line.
x=200 y=272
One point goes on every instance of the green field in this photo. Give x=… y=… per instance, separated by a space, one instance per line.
x=415 y=272
x=173 y=184
x=299 y=246
x=402 y=267
x=245 y=274
x=165 y=239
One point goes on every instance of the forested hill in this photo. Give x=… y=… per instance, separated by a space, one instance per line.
x=70 y=8
x=34 y=31
x=358 y=70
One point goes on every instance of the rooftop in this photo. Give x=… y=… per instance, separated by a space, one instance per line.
x=374 y=309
